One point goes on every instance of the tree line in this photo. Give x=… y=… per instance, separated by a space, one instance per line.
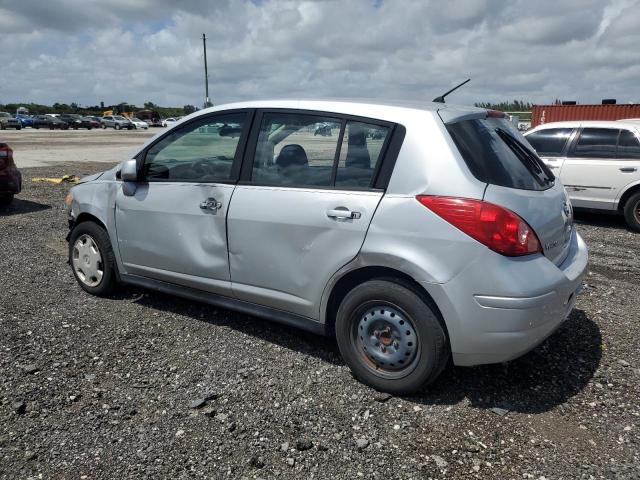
x=508 y=106
x=39 y=109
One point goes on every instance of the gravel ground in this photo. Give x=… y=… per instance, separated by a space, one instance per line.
x=147 y=385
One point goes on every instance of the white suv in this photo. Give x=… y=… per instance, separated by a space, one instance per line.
x=597 y=161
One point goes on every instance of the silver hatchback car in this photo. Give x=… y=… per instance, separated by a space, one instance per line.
x=414 y=233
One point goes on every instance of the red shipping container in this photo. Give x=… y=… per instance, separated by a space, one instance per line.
x=558 y=113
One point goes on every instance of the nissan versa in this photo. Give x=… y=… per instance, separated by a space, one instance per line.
x=414 y=234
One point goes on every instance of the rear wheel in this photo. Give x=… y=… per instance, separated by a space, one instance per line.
x=632 y=211
x=390 y=337
x=91 y=258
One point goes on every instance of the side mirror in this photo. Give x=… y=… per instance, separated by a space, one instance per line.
x=129 y=171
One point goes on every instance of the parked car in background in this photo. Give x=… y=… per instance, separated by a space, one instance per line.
x=168 y=122
x=117 y=121
x=94 y=121
x=8 y=121
x=597 y=161
x=25 y=120
x=445 y=237
x=10 y=177
x=50 y=122
x=139 y=123
x=76 y=121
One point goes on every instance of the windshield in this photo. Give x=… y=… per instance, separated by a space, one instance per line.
x=119 y=118
x=497 y=153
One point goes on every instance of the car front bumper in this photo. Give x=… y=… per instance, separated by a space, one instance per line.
x=500 y=308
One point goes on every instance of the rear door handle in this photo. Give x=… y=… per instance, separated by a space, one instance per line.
x=628 y=169
x=211 y=204
x=343 y=213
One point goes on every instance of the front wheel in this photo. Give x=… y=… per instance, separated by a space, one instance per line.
x=390 y=337
x=117 y=126
x=632 y=212
x=91 y=258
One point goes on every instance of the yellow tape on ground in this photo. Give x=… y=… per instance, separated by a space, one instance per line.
x=56 y=180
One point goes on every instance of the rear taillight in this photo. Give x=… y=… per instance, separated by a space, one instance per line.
x=492 y=225
x=6 y=155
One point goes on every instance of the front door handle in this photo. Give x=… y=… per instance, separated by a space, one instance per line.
x=343 y=213
x=211 y=204
x=628 y=169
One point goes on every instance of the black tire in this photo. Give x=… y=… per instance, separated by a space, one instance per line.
x=2 y=127
x=431 y=347
x=6 y=199
x=19 y=128
x=117 y=126
x=101 y=239
x=104 y=127
x=52 y=127
x=632 y=211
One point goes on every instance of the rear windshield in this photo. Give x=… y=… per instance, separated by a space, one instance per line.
x=497 y=153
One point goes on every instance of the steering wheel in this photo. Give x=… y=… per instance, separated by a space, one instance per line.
x=200 y=167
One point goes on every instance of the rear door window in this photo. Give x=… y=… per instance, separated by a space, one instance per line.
x=596 y=143
x=549 y=142
x=628 y=145
x=498 y=154
x=305 y=150
x=296 y=150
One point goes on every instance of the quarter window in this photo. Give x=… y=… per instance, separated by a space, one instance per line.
x=201 y=151
x=597 y=143
x=628 y=145
x=360 y=153
x=549 y=142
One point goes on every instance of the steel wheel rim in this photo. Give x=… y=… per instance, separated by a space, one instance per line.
x=87 y=261
x=386 y=340
x=636 y=211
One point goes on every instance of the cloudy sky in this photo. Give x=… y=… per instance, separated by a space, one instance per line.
x=87 y=51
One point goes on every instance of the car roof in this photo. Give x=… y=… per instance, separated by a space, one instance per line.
x=632 y=123
x=392 y=110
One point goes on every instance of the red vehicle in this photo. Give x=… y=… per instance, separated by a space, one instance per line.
x=10 y=176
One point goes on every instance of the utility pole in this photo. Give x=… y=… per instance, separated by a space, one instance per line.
x=207 y=102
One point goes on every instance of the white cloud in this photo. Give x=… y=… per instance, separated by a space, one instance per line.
x=140 y=50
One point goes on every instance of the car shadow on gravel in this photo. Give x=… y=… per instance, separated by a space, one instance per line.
x=600 y=219
x=20 y=206
x=323 y=348
x=539 y=381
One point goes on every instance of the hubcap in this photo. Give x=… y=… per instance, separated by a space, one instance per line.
x=637 y=212
x=387 y=340
x=87 y=261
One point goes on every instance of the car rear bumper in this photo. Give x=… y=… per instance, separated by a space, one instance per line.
x=10 y=180
x=492 y=320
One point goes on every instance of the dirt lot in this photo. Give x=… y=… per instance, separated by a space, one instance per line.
x=112 y=388
x=35 y=148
